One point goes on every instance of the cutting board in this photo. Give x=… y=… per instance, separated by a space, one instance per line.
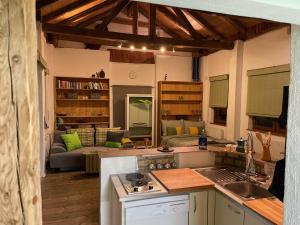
x=182 y=180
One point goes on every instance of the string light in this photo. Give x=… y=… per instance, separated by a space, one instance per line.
x=144 y=48
x=120 y=45
x=173 y=50
x=131 y=47
x=162 y=49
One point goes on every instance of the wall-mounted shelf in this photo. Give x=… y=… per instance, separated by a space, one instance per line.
x=83 y=101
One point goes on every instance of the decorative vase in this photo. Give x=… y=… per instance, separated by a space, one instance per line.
x=102 y=74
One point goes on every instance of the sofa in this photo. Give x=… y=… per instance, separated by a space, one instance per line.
x=91 y=139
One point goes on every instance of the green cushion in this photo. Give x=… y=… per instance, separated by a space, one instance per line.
x=171 y=131
x=72 y=141
x=112 y=144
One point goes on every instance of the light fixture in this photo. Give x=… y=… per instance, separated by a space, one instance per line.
x=131 y=47
x=144 y=48
x=120 y=45
x=173 y=50
x=162 y=49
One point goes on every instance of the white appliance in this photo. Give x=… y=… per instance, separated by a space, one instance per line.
x=173 y=210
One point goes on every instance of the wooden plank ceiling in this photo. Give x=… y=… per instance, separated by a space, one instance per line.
x=126 y=23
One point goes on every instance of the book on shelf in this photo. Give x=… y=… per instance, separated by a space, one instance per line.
x=63 y=84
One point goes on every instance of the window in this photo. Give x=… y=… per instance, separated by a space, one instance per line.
x=267 y=101
x=220 y=116
x=218 y=98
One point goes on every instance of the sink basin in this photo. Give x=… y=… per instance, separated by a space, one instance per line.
x=248 y=190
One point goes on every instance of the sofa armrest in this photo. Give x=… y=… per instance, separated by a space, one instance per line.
x=57 y=148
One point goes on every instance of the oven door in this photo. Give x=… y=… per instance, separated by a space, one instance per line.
x=166 y=213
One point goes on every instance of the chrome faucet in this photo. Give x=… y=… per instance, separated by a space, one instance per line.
x=250 y=167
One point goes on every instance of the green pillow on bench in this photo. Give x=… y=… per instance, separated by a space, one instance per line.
x=112 y=144
x=72 y=141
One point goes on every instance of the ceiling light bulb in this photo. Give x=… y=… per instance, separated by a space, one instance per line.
x=162 y=49
x=132 y=47
x=173 y=50
x=144 y=48
x=120 y=45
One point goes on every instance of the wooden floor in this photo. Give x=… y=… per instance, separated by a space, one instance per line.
x=70 y=198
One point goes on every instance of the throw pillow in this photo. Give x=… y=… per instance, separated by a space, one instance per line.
x=115 y=136
x=171 y=131
x=193 y=131
x=86 y=135
x=125 y=141
x=191 y=123
x=112 y=144
x=179 y=130
x=170 y=123
x=101 y=134
x=72 y=141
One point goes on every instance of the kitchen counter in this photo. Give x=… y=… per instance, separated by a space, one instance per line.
x=269 y=208
x=152 y=151
x=182 y=180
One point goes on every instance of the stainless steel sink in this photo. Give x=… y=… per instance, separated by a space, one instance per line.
x=248 y=190
x=236 y=182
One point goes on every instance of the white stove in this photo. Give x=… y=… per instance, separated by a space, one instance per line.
x=138 y=183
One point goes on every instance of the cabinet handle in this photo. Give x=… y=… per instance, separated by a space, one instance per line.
x=195 y=204
x=234 y=210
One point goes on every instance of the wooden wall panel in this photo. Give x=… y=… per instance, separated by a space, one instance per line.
x=124 y=56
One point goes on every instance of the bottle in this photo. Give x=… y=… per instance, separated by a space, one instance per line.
x=203 y=140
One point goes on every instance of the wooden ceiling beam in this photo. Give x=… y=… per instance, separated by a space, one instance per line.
x=135 y=18
x=64 y=9
x=92 y=41
x=93 y=19
x=120 y=6
x=95 y=34
x=170 y=15
x=236 y=25
x=197 y=16
x=187 y=24
x=43 y=3
x=86 y=12
x=159 y=23
x=125 y=21
x=152 y=21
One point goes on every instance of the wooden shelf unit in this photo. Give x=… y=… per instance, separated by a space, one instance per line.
x=81 y=105
x=178 y=100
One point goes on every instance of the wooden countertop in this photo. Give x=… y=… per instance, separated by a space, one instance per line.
x=139 y=152
x=182 y=180
x=269 y=208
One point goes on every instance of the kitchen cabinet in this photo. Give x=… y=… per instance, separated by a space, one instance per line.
x=251 y=219
x=201 y=209
x=228 y=212
x=198 y=208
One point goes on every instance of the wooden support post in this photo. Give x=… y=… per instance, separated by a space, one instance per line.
x=20 y=192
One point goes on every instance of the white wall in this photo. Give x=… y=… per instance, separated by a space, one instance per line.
x=267 y=50
x=271 y=49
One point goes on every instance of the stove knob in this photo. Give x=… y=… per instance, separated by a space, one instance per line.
x=150 y=187
x=159 y=166
x=135 y=189
x=167 y=165
x=152 y=166
x=174 y=165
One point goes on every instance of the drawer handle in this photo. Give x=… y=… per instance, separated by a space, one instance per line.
x=195 y=204
x=234 y=210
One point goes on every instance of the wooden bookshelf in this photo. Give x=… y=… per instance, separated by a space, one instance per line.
x=178 y=100
x=82 y=101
